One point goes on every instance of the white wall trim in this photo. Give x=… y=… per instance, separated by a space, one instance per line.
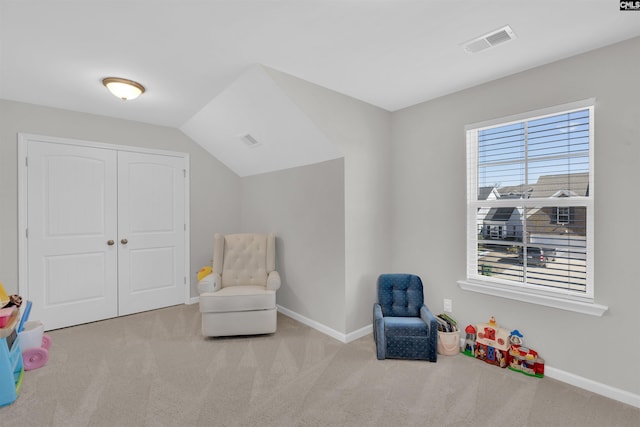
x=193 y=300
x=593 y=386
x=557 y=374
x=362 y=332
x=340 y=336
x=498 y=290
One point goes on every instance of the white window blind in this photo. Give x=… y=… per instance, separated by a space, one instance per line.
x=530 y=202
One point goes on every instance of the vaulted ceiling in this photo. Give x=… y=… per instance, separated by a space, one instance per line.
x=389 y=53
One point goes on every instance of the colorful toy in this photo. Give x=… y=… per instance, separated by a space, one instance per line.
x=469 y=347
x=523 y=359
x=4 y=298
x=492 y=343
x=35 y=345
x=204 y=272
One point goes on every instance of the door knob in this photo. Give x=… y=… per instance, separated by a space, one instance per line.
x=124 y=241
x=110 y=242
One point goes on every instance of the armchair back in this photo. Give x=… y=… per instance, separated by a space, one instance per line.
x=400 y=295
x=244 y=259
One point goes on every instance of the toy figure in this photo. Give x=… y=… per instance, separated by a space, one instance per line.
x=470 y=341
x=523 y=359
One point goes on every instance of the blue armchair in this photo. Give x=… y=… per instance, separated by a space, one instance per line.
x=403 y=326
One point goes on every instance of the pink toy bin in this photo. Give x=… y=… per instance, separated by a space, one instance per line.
x=34 y=345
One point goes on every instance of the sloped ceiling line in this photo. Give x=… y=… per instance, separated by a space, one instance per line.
x=254 y=105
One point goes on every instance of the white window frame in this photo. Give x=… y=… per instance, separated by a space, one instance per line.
x=557 y=298
x=563 y=215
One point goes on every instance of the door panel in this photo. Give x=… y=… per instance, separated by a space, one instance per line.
x=151 y=217
x=71 y=214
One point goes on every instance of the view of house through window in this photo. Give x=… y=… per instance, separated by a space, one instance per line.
x=530 y=202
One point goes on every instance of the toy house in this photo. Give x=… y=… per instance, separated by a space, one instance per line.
x=492 y=343
x=523 y=359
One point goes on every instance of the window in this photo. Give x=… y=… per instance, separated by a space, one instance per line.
x=532 y=174
x=563 y=215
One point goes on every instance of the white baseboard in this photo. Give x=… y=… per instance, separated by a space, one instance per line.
x=342 y=337
x=193 y=300
x=551 y=372
x=593 y=386
x=589 y=385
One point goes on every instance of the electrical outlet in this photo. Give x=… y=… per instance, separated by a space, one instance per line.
x=448 y=305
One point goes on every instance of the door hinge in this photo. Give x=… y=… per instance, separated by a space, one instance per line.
x=185 y=280
x=184 y=172
x=26 y=232
x=26 y=161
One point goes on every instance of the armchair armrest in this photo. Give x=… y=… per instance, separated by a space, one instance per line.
x=427 y=317
x=210 y=283
x=378 y=332
x=273 y=281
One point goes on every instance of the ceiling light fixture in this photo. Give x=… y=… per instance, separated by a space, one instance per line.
x=123 y=88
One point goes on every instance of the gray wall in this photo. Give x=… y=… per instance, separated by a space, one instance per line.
x=304 y=206
x=214 y=193
x=363 y=134
x=429 y=208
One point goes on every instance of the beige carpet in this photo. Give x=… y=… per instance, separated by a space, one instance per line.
x=154 y=369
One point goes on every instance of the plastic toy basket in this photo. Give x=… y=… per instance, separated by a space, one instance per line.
x=34 y=344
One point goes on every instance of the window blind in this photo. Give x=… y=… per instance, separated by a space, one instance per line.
x=530 y=202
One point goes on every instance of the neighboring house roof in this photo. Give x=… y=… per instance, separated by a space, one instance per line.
x=485 y=192
x=561 y=185
x=499 y=214
x=512 y=191
x=558 y=185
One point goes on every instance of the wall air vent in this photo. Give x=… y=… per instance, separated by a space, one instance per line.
x=489 y=40
x=250 y=141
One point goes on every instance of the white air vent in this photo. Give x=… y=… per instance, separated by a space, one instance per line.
x=491 y=39
x=250 y=141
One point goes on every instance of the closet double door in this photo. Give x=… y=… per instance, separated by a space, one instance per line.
x=106 y=232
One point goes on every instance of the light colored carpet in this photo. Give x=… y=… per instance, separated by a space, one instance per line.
x=155 y=369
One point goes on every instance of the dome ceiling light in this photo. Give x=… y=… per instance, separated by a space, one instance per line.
x=123 y=88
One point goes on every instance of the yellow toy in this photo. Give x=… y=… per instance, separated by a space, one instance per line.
x=4 y=298
x=204 y=272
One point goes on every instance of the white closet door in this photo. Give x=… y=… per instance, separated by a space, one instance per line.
x=72 y=214
x=151 y=231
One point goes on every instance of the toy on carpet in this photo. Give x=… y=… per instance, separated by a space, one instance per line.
x=33 y=343
x=492 y=343
x=523 y=359
x=204 y=272
x=497 y=346
x=469 y=348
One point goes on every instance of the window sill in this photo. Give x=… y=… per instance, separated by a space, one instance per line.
x=589 y=308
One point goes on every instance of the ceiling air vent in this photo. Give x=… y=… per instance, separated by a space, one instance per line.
x=250 y=141
x=488 y=40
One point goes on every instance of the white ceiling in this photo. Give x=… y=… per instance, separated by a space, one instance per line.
x=254 y=105
x=391 y=53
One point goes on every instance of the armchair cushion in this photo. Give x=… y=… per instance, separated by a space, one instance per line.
x=238 y=298
x=405 y=327
x=400 y=295
x=245 y=260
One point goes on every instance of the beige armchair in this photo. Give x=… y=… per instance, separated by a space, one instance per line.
x=239 y=297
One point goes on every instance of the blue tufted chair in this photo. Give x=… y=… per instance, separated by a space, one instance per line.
x=403 y=326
